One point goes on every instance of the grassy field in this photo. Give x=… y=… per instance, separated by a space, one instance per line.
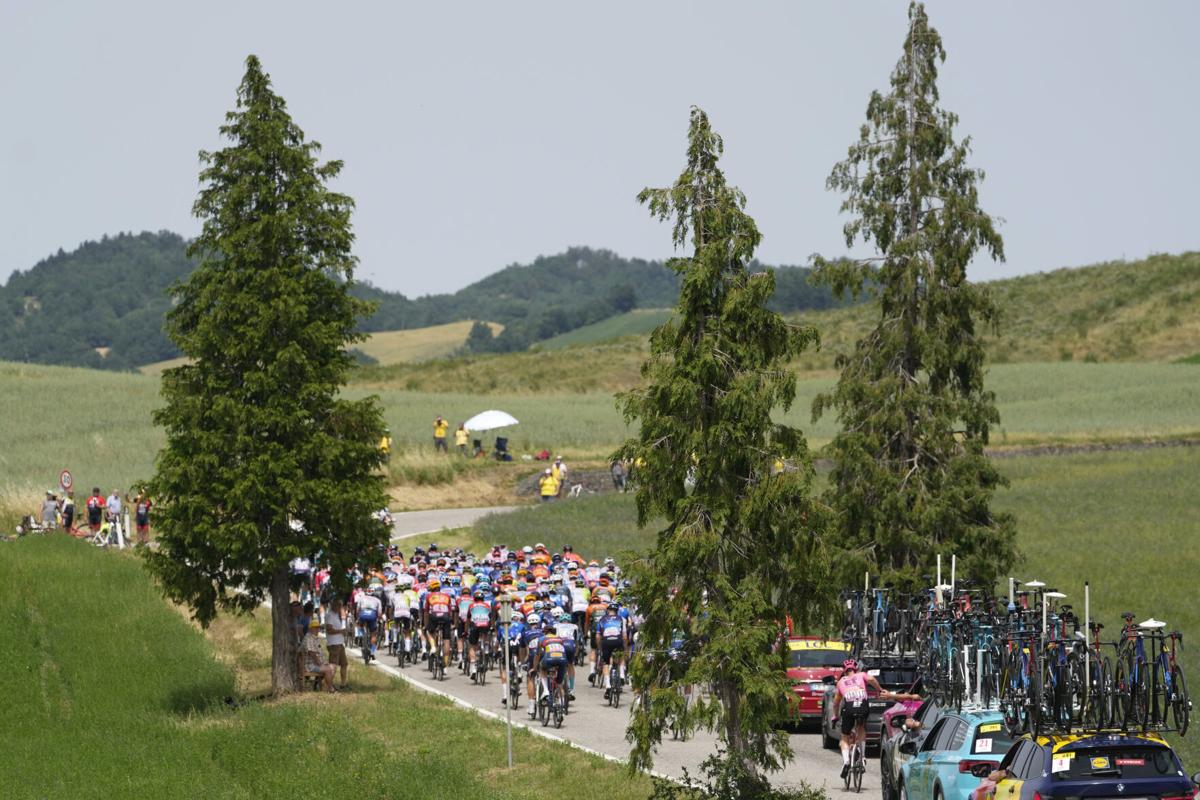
x=1124 y=521
x=109 y=692
x=97 y=424
x=419 y=344
x=638 y=322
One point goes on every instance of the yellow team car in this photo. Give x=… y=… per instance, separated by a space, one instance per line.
x=1124 y=766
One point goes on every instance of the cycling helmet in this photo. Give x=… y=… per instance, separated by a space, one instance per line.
x=432 y=546
x=538 y=605
x=849 y=664
x=579 y=582
x=534 y=619
x=612 y=609
x=564 y=617
x=593 y=563
x=527 y=550
x=518 y=617
x=478 y=594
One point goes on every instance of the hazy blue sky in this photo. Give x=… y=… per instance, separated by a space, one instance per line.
x=481 y=134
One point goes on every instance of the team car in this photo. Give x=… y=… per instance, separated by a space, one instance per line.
x=1129 y=766
x=961 y=749
x=901 y=723
x=812 y=664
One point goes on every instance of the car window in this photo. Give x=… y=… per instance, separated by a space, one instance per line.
x=1010 y=758
x=928 y=713
x=991 y=740
x=816 y=658
x=934 y=734
x=1031 y=765
x=1117 y=762
x=959 y=736
x=945 y=738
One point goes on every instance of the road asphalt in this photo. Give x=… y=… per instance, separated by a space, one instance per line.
x=416 y=523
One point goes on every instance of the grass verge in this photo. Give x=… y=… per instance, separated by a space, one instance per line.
x=112 y=693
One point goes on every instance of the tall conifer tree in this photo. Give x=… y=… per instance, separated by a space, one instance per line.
x=910 y=477
x=742 y=545
x=263 y=461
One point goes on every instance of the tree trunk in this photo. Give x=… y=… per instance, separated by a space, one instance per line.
x=284 y=672
x=735 y=739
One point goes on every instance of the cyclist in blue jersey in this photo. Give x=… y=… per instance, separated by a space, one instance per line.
x=612 y=636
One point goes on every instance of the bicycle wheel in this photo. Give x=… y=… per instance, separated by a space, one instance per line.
x=857 y=772
x=1181 y=703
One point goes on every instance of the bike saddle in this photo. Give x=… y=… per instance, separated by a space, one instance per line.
x=1152 y=624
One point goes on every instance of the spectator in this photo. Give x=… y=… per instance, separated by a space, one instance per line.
x=141 y=515
x=548 y=486
x=113 y=506
x=312 y=660
x=50 y=511
x=461 y=438
x=68 y=510
x=619 y=475
x=440 y=426
x=559 y=471
x=295 y=609
x=385 y=446
x=335 y=637
x=95 y=510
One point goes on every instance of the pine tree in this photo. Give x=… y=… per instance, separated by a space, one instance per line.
x=263 y=461
x=910 y=476
x=742 y=545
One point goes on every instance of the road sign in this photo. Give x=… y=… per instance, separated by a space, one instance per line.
x=65 y=480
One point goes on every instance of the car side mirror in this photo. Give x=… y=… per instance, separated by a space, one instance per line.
x=899 y=720
x=982 y=770
x=909 y=748
x=828 y=680
x=1196 y=779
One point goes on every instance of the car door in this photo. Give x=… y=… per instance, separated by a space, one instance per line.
x=944 y=755
x=921 y=772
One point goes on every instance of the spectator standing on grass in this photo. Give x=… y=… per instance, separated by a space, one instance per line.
x=141 y=515
x=335 y=637
x=312 y=660
x=440 y=426
x=619 y=474
x=548 y=486
x=50 y=511
x=385 y=445
x=95 y=510
x=462 y=437
x=113 y=506
x=68 y=510
x=559 y=471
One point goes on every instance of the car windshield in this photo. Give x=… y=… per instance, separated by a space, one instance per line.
x=991 y=740
x=1117 y=762
x=816 y=658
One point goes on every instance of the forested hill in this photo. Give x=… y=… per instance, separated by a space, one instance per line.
x=102 y=304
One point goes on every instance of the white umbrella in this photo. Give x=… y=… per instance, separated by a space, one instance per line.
x=490 y=420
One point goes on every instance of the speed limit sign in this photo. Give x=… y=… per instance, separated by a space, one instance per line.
x=65 y=480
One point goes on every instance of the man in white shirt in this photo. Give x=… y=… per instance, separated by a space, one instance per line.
x=335 y=637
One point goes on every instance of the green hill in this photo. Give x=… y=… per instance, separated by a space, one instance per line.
x=638 y=322
x=102 y=305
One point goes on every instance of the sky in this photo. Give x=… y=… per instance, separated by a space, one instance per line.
x=481 y=134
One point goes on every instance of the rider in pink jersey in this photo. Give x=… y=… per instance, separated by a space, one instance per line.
x=852 y=693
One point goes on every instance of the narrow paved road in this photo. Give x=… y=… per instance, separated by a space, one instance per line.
x=415 y=523
x=595 y=726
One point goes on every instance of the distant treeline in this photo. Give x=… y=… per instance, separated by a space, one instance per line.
x=102 y=304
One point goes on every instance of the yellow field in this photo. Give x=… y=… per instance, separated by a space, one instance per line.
x=419 y=344
x=391 y=347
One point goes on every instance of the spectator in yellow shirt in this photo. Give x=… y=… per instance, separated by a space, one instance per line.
x=385 y=445
x=461 y=439
x=548 y=487
x=440 y=426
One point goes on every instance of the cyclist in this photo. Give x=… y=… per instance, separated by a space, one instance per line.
x=529 y=647
x=551 y=656
x=479 y=623
x=370 y=609
x=516 y=637
x=852 y=692
x=612 y=635
x=595 y=612
x=568 y=631
x=438 y=610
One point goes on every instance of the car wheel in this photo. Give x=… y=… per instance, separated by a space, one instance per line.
x=937 y=793
x=885 y=781
x=903 y=793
